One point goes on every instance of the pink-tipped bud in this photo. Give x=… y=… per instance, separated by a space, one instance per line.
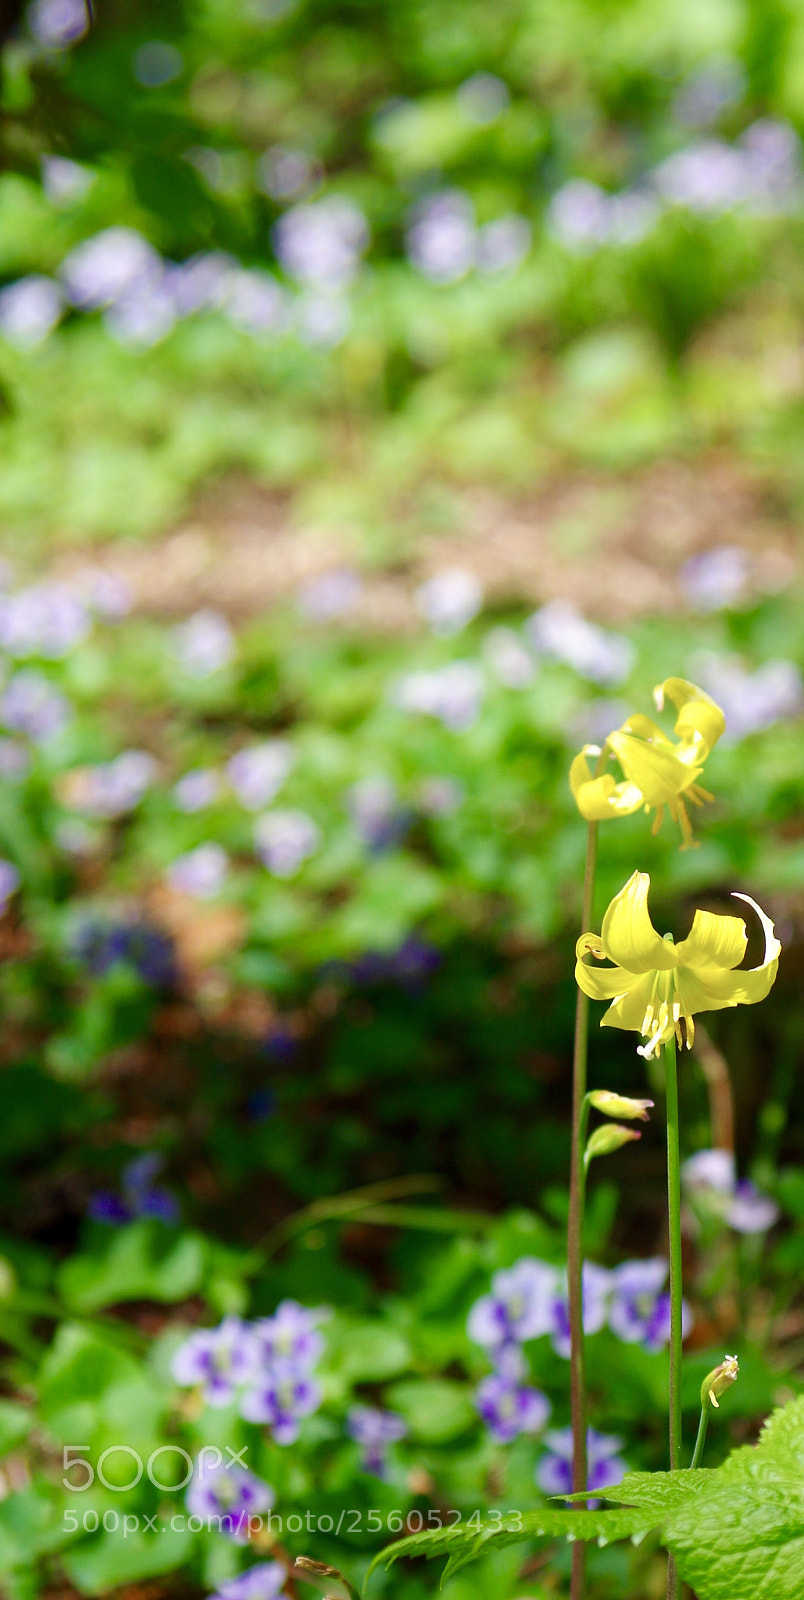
x=619 y=1105
x=604 y=1141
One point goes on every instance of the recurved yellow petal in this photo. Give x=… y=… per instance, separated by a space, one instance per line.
x=712 y=941
x=699 y=718
x=628 y=935
x=602 y=983
x=599 y=798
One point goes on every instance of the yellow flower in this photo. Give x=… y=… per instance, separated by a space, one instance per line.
x=658 y=771
x=655 y=985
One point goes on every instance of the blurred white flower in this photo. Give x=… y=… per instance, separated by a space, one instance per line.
x=449 y=600
x=257 y=773
x=286 y=173
x=483 y=98
x=509 y=658
x=29 y=310
x=558 y=630
x=284 y=840
x=439 y=797
x=204 y=643
x=255 y=302
x=112 y=788
x=750 y=701
x=108 y=266
x=329 y=594
x=58 y=23
x=716 y=579
x=142 y=316
x=502 y=244
x=201 y=282
x=321 y=241
x=453 y=694
x=196 y=790
x=65 y=182
x=201 y=872
x=441 y=236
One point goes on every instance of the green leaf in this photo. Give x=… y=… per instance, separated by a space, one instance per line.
x=102 y=1563
x=434 y=1410
x=140 y=1262
x=464 y=1544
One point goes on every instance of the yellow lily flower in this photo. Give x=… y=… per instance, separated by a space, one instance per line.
x=656 y=986
x=658 y=772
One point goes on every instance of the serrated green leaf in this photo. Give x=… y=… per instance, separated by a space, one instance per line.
x=464 y=1544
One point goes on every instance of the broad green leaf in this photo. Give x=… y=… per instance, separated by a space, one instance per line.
x=434 y=1410
x=101 y=1563
x=139 y=1262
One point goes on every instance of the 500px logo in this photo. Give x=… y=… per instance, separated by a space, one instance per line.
x=209 y=1459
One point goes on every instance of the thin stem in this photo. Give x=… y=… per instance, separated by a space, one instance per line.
x=575 y=1228
x=674 y=1231
x=701 y=1439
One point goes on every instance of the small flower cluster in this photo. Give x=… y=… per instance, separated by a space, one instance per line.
x=265 y=1366
x=374 y=1430
x=710 y=1183
x=140 y=1197
x=529 y=1301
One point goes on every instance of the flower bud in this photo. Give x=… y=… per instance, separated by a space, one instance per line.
x=718 y=1381
x=604 y=1141
x=619 y=1105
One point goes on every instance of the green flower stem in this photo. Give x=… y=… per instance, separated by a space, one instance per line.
x=580 y=1112
x=701 y=1439
x=674 y=1230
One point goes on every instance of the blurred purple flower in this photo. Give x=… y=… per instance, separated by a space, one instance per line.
x=284 y=840
x=440 y=797
x=201 y=282
x=503 y=244
x=257 y=773
x=374 y=1430
x=15 y=761
x=9 y=882
x=104 y=592
x=717 y=579
x=115 y=787
x=100 y=945
x=324 y=319
x=441 y=236
x=519 y=1307
x=449 y=600
x=200 y=872
x=30 y=704
x=204 y=644
x=321 y=241
x=329 y=594
x=65 y=182
x=142 y=315
x=140 y=1196
x=509 y=658
x=229 y=1498
x=708 y=177
x=558 y=630
x=709 y=1179
x=255 y=302
x=509 y=1407
x=717 y=83
x=199 y=788
x=639 y=1313
x=751 y=1211
x=263 y=1582
x=596 y=1290
x=282 y=1399
x=292 y=1335
x=483 y=98
x=452 y=694
x=606 y=1466
x=578 y=216
x=30 y=310
x=48 y=620
x=751 y=701
x=108 y=266
x=57 y=24
x=373 y=804
x=285 y=173
x=220 y=1360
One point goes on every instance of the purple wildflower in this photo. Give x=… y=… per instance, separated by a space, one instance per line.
x=200 y=872
x=284 y=1396
x=30 y=704
x=710 y=1181
x=219 y=1359
x=9 y=882
x=255 y=302
x=509 y=1407
x=140 y=1196
x=30 y=310
x=204 y=643
x=751 y=1211
x=57 y=24
x=321 y=241
x=449 y=600
x=104 y=592
x=606 y=1466
x=596 y=1290
x=48 y=620
x=144 y=315
x=285 y=173
x=115 y=787
x=519 y=1307
x=229 y=1498
x=291 y=1335
x=452 y=694
x=374 y=807
x=263 y=1582
x=503 y=244
x=198 y=789
x=284 y=840
x=107 y=267
x=558 y=630
x=257 y=773
x=374 y=1430
x=509 y=658
x=483 y=98
x=440 y=797
x=329 y=594
x=639 y=1313
x=65 y=182
x=441 y=237
x=717 y=579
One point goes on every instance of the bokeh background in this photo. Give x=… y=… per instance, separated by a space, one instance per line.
x=390 y=396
